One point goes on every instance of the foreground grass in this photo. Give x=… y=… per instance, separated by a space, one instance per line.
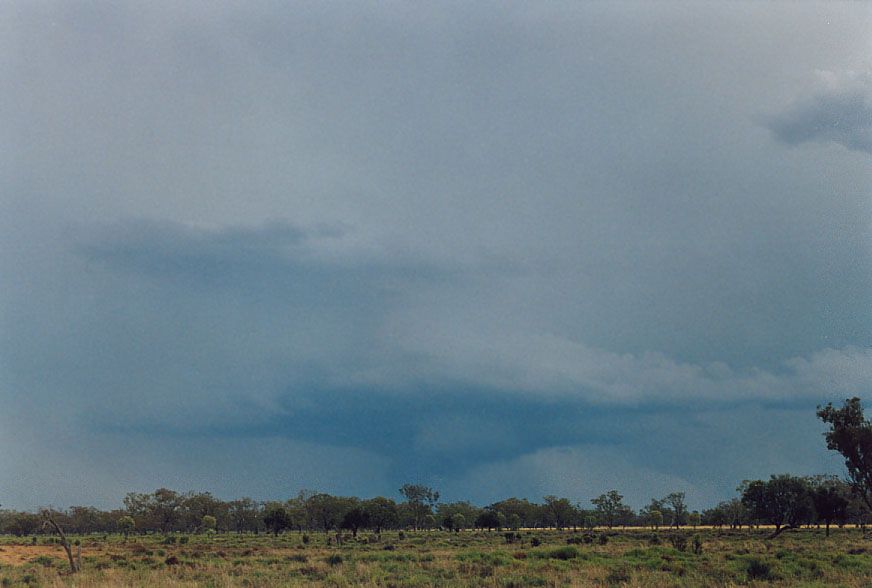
x=471 y=558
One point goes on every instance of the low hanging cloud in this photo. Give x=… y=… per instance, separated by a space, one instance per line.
x=839 y=110
x=406 y=344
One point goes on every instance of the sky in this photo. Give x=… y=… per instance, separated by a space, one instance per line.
x=497 y=248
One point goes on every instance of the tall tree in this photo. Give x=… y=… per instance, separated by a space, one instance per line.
x=276 y=518
x=421 y=500
x=851 y=435
x=559 y=510
x=676 y=504
x=783 y=501
x=831 y=499
x=609 y=507
x=381 y=512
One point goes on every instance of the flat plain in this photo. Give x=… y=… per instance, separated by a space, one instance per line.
x=530 y=557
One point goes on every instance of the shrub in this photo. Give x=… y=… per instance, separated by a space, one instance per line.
x=654 y=539
x=617 y=576
x=563 y=553
x=305 y=539
x=535 y=542
x=334 y=560
x=697 y=544
x=184 y=539
x=172 y=561
x=759 y=570
x=602 y=539
x=678 y=541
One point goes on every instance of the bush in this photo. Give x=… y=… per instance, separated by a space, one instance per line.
x=184 y=539
x=602 y=539
x=305 y=539
x=654 y=539
x=697 y=544
x=563 y=553
x=678 y=541
x=535 y=542
x=759 y=570
x=334 y=560
x=617 y=576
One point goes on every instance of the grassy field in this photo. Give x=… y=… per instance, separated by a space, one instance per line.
x=440 y=558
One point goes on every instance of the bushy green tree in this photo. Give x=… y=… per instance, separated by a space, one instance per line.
x=276 y=518
x=609 y=507
x=783 y=501
x=421 y=500
x=381 y=512
x=851 y=435
x=126 y=525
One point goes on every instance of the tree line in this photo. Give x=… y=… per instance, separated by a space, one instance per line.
x=783 y=501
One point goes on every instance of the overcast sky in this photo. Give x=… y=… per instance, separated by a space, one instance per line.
x=496 y=248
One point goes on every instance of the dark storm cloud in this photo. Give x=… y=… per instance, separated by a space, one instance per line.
x=839 y=113
x=465 y=242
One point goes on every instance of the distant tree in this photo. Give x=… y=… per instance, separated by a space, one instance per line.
x=159 y=511
x=655 y=518
x=126 y=525
x=381 y=512
x=830 y=503
x=327 y=511
x=276 y=518
x=354 y=519
x=22 y=523
x=194 y=506
x=851 y=435
x=514 y=521
x=487 y=519
x=784 y=501
x=560 y=511
x=421 y=501
x=530 y=514
x=675 y=500
x=243 y=514
x=208 y=522
x=694 y=519
x=609 y=507
x=456 y=515
x=83 y=519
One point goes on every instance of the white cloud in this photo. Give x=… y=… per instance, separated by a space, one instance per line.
x=579 y=473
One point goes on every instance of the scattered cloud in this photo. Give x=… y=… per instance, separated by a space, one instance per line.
x=838 y=110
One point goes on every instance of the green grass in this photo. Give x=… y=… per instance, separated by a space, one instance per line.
x=471 y=558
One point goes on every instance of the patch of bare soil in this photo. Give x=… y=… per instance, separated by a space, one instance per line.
x=17 y=555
